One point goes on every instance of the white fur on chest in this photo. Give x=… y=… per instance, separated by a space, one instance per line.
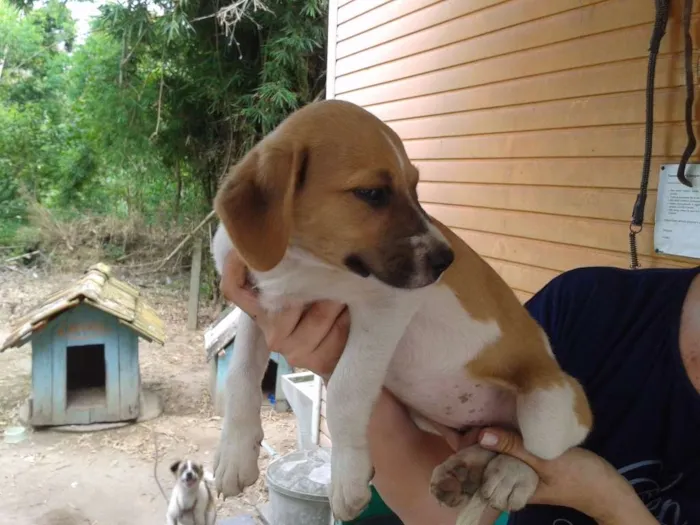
x=428 y=374
x=302 y=278
x=427 y=371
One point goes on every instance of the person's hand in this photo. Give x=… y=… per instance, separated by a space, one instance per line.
x=578 y=479
x=311 y=338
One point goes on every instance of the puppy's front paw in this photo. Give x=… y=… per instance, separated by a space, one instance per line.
x=236 y=461
x=508 y=483
x=351 y=472
x=455 y=481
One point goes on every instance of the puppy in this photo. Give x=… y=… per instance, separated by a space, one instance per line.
x=191 y=502
x=326 y=207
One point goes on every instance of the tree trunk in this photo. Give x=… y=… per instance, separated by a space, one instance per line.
x=5 y=52
x=178 y=194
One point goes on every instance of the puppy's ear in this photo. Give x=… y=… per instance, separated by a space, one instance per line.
x=175 y=466
x=255 y=202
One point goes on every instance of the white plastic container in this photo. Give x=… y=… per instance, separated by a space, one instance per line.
x=14 y=434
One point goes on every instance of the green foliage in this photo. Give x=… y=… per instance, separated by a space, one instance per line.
x=145 y=116
x=33 y=107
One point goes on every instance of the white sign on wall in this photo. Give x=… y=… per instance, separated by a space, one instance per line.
x=677 y=228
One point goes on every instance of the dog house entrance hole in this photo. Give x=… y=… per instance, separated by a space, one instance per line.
x=86 y=376
x=269 y=381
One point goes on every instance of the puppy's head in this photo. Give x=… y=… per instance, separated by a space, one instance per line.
x=187 y=472
x=335 y=181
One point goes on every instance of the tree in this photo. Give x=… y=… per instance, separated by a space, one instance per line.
x=32 y=102
x=147 y=114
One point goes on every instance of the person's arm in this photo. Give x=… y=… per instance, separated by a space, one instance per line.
x=579 y=479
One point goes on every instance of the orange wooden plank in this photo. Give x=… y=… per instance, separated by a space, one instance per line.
x=552 y=256
x=618 y=77
x=611 y=141
x=357 y=8
x=606 y=172
x=523 y=296
x=606 y=48
x=609 y=204
x=606 y=17
x=323 y=427
x=521 y=276
x=591 y=233
x=458 y=33
x=616 y=109
x=332 y=45
x=389 y=15
x=408 y=16
x=324 y=441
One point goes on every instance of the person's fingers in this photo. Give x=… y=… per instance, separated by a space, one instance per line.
x=234 y=286
x=458 y=441
x=325 y=356
x=279 y=326
x=316 y=342
x=509 y=443
x=315 y=324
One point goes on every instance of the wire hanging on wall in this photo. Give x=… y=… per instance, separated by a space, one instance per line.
x=658 y=31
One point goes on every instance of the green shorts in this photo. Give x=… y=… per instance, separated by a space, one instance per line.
x=378 y=513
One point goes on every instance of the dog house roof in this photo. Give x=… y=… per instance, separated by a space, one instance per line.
x=100 y=290
x=221 y=332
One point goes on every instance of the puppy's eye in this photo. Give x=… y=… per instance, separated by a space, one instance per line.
x=375 y=197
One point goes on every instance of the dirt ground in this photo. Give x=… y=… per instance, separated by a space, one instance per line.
x=107 y=477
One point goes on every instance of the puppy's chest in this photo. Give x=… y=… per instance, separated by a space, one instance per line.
x=428 y=371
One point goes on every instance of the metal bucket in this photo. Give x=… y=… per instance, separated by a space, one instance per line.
x=298 y=485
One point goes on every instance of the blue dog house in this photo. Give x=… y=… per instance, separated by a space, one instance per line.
x=85 y=351
x=218 y=345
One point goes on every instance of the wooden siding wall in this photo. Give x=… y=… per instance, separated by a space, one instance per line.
x=525 y=117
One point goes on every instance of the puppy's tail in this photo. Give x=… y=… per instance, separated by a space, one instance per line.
x=471 y=513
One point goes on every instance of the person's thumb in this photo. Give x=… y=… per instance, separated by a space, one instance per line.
x=509 y=443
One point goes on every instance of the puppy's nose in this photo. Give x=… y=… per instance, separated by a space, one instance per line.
x=440 y=260
x=189 y=476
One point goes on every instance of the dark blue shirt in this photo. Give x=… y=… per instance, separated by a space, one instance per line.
x=617 y=332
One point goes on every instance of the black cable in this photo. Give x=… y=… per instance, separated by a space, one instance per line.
x=657 y=34
x=689 y=94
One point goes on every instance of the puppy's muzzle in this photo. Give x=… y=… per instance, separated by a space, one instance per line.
x=440 y=259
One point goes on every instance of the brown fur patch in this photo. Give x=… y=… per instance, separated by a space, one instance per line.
x=255 y=203
x=519 y=360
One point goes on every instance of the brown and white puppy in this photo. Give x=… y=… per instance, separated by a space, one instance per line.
x=325 y=207
x=191 y=502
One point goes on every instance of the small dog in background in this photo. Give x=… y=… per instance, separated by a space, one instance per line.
x=191 y=502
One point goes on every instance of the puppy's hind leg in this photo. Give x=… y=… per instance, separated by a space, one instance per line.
x=236 y=462
x=460 y=476
x=552 y=410
x=474 y=478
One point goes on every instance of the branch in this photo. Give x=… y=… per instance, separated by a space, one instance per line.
x=23 y=256
x=320 y=95
x=184 y=241
x=160 y=95
x=236 y=11
x=136 y=44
